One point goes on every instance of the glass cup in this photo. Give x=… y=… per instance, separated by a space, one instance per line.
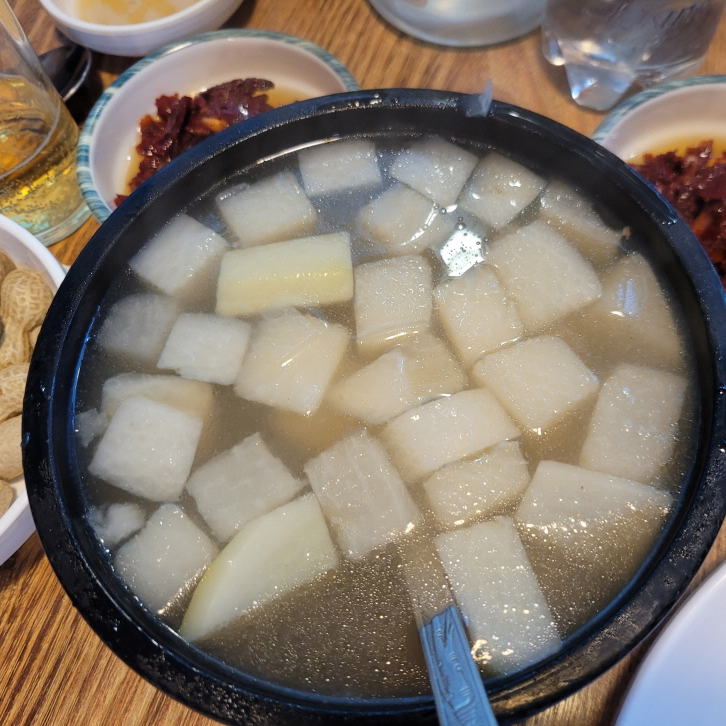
x=608 y=45
x=38 y=137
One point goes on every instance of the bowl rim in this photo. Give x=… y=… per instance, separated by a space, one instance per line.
x=606 y=639
x=84 y=172
x=606 y=126
x=127 y=29
x=50 y=263
x=16 y=524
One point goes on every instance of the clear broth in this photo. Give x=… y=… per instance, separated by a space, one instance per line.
x=321 y=638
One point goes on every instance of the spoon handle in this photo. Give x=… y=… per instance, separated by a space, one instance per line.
x=458 y=689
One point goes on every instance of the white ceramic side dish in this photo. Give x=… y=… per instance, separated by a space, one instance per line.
x=111 y=131
x=16 y=525
x=138 y=39
x=681 y=679
x=689 y=108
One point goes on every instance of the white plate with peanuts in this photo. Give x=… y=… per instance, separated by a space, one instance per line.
x=29 y=277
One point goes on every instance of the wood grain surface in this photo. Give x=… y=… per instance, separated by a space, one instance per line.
x=54 y=671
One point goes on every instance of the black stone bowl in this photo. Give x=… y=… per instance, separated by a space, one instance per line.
x=59 y=506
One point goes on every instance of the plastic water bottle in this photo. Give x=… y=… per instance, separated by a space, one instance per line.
x=462 y=22
x=608 y=45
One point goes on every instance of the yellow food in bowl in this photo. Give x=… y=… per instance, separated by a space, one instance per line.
x=128 y=12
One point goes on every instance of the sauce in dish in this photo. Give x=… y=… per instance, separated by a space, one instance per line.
x=127 y=12
x=371 y=345
x=182 y=122
x=681 y=145
x=692 y=177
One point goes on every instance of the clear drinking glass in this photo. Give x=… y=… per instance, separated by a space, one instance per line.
x=38 y=137
x=608 y=45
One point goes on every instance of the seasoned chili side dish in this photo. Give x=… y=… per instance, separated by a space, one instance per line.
x=695 y=184
x=183 y=122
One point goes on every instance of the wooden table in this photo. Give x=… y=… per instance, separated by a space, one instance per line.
x=54 y=671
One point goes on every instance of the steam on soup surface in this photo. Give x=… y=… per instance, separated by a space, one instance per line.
x=367 y=348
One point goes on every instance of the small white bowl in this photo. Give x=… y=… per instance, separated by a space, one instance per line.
x=686 y=109
x=16 y=525
x=138 y=39
x=111 y=131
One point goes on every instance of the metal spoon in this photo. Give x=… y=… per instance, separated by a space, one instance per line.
x=455 y=679
x=67 y=67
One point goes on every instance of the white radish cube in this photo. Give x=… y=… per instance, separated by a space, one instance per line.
x=539 y=381
x=476 y=314
x=192 y=397
x=272 y=210
x=181 y=259
x=633 y=428
x=436 y=168
x=291 y=361
x=425 y=438
x=89 y=425
x=586 y=533
x=148 y=449
x=240 y=484
x=415 y=371
x=488 y=485
x=547 y=277
x=507 y=616
x=362 y=496
x=499 y=189
x=377 y=392
x=206 y=347
x=268 y=557
x=633 y=316
x=432 y=369
x=339 y=165
x=403 y=221
x=393 y=299
x=572 y=215
x=117 y=522
x=138 y=325
x=166 y=558
x=308 y=271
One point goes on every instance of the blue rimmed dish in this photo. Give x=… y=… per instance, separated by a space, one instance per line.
x=685 y=110
x=301 y=69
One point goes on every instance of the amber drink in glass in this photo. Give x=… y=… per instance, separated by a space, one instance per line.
x=38 y=137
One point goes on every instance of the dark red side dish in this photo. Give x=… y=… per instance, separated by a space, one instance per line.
x=183 y=122
x=695 y=184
